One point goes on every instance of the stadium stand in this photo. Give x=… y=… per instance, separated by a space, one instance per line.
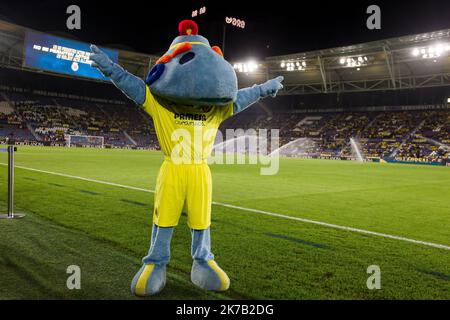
x=416 y=134
x=419 y=133
x=39 y=116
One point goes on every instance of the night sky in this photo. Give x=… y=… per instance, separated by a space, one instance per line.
x=282 y=28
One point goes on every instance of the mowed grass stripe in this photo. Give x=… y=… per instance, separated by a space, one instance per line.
x=239 y=208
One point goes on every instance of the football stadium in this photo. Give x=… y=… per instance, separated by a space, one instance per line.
x=362 y=150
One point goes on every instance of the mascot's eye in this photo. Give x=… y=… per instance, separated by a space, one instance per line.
x=187 y=57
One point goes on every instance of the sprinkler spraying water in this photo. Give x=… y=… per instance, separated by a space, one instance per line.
x=435 y=142
x=301 y=147
x=245 y=144
x=356 y=150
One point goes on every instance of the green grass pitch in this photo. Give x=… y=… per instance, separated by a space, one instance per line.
x=105 y=229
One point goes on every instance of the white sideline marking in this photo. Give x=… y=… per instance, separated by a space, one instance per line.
x=272 y=214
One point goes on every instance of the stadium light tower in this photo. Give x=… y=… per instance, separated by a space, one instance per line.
x=238 y=23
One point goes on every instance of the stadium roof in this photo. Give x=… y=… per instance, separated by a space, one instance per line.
x=408 y=62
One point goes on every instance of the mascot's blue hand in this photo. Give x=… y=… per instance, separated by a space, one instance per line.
x=271 y=87
x=132 y=86
x=247 y=96
x=101 y=61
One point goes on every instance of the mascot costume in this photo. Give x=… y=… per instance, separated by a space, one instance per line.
x=189 y=91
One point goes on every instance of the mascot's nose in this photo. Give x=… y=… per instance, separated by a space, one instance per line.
x=186 y=57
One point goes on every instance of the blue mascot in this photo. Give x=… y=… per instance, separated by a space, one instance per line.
x=189 y=91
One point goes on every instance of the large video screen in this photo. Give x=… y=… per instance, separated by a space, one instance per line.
x=61 y=55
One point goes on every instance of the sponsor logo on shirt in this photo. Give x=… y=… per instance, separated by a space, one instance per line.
x=190 y=116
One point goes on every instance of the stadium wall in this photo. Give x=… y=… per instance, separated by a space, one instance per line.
x=355 y=100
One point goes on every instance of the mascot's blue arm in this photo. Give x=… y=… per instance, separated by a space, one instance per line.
x=248 y=96
x=132 y=86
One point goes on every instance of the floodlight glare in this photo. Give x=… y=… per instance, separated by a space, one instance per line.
x=415 y=52
x=297 y=64
x=249 y=66
x=252 y=66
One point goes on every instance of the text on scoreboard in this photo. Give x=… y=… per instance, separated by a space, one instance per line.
x=61 y=55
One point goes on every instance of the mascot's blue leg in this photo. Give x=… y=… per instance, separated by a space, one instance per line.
x=151 y=278
x=205 y=272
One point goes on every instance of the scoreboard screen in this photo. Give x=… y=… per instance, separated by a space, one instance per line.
x=61 y=55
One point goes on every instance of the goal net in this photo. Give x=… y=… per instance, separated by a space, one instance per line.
x=84 y=141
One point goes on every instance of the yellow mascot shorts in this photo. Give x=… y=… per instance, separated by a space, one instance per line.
x=183 y=185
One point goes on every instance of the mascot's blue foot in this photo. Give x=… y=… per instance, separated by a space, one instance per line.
x=205 y=272
x=209 y=276
x=149 y=280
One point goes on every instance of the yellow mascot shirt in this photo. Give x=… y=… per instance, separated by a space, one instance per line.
x=186 y=134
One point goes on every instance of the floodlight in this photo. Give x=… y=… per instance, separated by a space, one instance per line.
x=252 y=66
